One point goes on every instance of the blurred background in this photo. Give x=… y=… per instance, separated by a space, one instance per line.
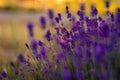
x=15 y=14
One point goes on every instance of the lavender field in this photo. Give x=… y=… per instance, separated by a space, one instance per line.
x=61 y=45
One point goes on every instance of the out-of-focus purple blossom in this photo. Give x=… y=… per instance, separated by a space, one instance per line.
x=40 y=43
x=34 y=44
x=79 y=75
x=57 y=30
x=48 y=35
x=43 y=22
x=78 y=52
x=59 y=16
x=12 y=64
x=82 y=6
x=69 y=15
x=65 y=46
x=67 y=9
x=16 y=72
x=63 y=30
x=80 y=14
x=107 y=3
x=21 y=58
x=88 y=52
x=117 y=16
x=30 y=29
x=4 y=74
x=57 y=19
x=104 y=75
x=43 y=52
x=50 y=13
x=104 y=30
x=94 y=11
x=67 y=74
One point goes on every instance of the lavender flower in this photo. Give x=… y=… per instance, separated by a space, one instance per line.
x=21 y=57
x=30 y=29
x=48 y=35
x=107 y=3
x=34 y=44
x=43 y=22
x=50 y=13
x=94 y=11
x=4 y=74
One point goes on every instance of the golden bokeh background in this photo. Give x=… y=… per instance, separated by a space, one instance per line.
x=57 y=4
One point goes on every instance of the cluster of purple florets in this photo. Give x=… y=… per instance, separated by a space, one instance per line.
x=87 y=49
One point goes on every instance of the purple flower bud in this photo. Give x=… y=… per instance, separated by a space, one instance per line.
x=50 y=13
x=94 y=11
x=59 y=16
x=40 y=43
x=63 y=30
x=48 y=35
x=30 y=29
x=79 y=75
x=34 y=44
x=20 y=57
x=82 y=6
x=16 y=72
x=104 y=30
x=43 y=52
x=69 y=15
x=57 y=19
x=43 y=22
x=57 y=30
x=4 y=74
x=117 y=16
x=88 y=52
x=80 y=14
x=107 y=3
x=12 y=64
x=112 y=17
x=67 y=9
x=67 y=74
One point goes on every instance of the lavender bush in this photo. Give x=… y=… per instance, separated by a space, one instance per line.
x=89 y=49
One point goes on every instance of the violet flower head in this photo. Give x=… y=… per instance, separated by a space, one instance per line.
x=43 y=22
x=79 y=75
x=82 y=7
x=50 y=13
x=104 y=30
x=30 y=29
x=48 y=35
x=34 y=44
x=67 y=9
x=69 y=15
x=57 y=19
x=40 y=43
x=107 y=3
x=12 y=64
x=94 y=10
x=117 y=16
x=67 y=74
x=59 y=16
x=20 y=57
x=80 y=14
x=4 y=74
